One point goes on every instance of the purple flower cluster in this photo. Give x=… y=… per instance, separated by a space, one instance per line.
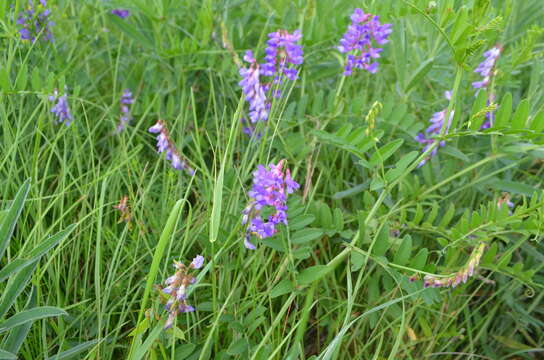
x=269 y=190
x=486 y=67
x=35 y=20
x=487 y=70
x=164 y=143
x=122 y=13
x=176 y=289
x=126 y=100
x=459 y=277
x=61 y=109
x=357 y=42
x=283 y=53
x=437 y=122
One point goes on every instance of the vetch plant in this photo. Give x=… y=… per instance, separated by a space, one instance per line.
x=360 y=40
x=125 y=102
x=35 y=21
x=283 y=54
x=437 y=123
x=176 y=289
x=270 y=189
x=61 y=109
x=487 y=70
x=165 y=144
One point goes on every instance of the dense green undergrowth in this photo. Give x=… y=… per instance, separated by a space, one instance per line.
x=344 y=280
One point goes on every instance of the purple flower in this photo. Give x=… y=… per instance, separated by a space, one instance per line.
x=122 y=13
x=35 y=21
x=254 y=90
x=360 y=40
x=165 y=144
x=126 y=100
x=283 y=54
x=429 y=138
x=61 y=109
x=176 y=290
x=269 y=190
x=487 y=70
x=486 y=67
x=197 y=262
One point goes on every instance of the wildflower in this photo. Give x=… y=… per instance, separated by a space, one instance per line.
x=270 y=189
x=126 y=100
x=176 y=289
x=124 y=209
x=357 y=41
x=487 y=69
x=34 y=21
x=282 y=53
x=254 y=90
x=164 y=143
x=459 y=277
x=505 y=199
x=122 y=13
x=437 y=122
x=61 y=108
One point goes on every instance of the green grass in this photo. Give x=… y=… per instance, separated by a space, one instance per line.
x=343 y=294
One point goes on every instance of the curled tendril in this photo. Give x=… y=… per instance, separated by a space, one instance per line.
x=529 y=291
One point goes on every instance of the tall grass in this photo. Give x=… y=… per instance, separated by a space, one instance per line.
x=344 y=293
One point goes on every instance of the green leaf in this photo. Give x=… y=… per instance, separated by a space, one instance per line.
x=5 y=82
x=521 y=115
x=13 y=267
x=301 y=221
x=10 y=218
x=403 y=253
x=420 y=259
x=6 y=355
x=502 y=117
x=313 y=273
x=283 y=287
x=420 y=73
x=17 y=335
x=537 y=124
x=382 y=242
x=478 y=105
x=132 y=32
x=306 y=235
x=76 y=350
x=15 y=285
x=143 y=348
x=36 y=80
x=238 y=347
x=514 y=187
x=385 y=152
x=31 y=315
x=338 y=216
x=42 y=248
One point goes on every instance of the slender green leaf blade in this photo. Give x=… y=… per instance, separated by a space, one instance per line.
x=31 y=315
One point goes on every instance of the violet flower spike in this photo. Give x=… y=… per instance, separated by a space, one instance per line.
x=360 y=40
x=61 y=109
x=282 y=54
x=35 y=21
x=165 y=144
x=269 y=190
x=122 y=13
x=126 y=100
x=176 y=289
x=429 y=138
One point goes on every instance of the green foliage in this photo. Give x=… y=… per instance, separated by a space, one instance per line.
x=343 y=279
